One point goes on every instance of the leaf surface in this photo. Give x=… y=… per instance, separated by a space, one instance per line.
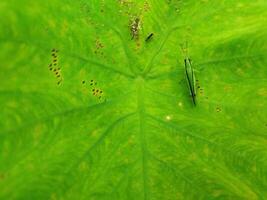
x=88 y=112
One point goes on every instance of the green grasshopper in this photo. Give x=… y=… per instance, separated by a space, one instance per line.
x=190 y=77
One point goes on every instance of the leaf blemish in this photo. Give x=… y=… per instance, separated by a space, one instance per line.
x=135 y=26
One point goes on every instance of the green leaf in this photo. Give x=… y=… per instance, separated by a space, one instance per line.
x=112 y=117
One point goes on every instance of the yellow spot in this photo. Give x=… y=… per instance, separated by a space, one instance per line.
x=12 y=104
x=94 y=133
x=229 y=10
x=2 y=176
x=53 y=196
x=168 y=117
x=30 y=167
x=130 y=141
x=254 y=168
x=37 y=133
x=217 y=17
x=262 y=92
x=189 y=140
x=217 y=193
x=206 y=151
x=192 y=157
x=180 y=104
x=126 y=161
x=240 y=72
x=240 y=5
x=83 y=166
x=227 y=88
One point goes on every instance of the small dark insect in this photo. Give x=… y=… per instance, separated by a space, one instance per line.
x=56 y=73
x=83 y=82
x=53 y=50
x=97 y=90
x=55 y=70
x=58 y=68
x=55 y=60
x=58 y=76
x=149 y=37
x=92 y=80
x=50 y=65
x=55 y=64
x=101 y=91
x=99 y=97
x=50 y=69
x=93 y=90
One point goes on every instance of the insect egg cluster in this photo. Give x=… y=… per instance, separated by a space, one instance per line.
x=95 y=91
x=53 y=66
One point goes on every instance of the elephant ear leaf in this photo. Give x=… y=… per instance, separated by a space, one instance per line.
x=95 y=103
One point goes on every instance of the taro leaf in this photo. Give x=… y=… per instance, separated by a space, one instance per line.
x=112 y=117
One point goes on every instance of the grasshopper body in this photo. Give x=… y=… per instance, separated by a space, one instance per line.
x=190 y=77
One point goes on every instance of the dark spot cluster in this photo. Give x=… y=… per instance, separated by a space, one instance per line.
x=200 y=89
x=95 y=90
x=102 y=6
x=126 y=4
x=85 y=10
x=218 y=109
x=146 y=6
x=99 y=51
x=128 y=7
x=98 y=47
x=53 y=66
